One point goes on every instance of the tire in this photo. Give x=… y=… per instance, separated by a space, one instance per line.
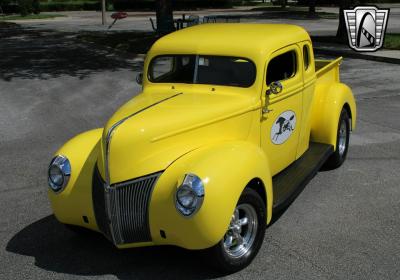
x=234 y=258
x=342 y=142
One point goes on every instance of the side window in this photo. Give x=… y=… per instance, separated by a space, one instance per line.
x=282 y=67
x=161 y=66
x=306 y=57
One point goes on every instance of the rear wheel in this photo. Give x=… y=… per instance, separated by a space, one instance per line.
x=243 y=237
x=342 y=142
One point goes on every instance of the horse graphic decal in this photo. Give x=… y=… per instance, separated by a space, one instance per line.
x=283 y=127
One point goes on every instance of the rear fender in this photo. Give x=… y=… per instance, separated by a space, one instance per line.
x=225 y=169
x=328 y=102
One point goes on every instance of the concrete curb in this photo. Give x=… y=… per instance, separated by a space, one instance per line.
x=352 y=54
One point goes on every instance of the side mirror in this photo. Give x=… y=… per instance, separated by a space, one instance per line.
x=274 y=88
x=139 y=78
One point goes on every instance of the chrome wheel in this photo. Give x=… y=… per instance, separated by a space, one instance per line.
x=241 y=232
x=342 y=138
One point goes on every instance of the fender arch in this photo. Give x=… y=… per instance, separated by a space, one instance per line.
x=226 y=169
x=75 y=201
x=328 y=102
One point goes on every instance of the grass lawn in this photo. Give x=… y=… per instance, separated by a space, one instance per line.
x=392 y=41
x=33 y=16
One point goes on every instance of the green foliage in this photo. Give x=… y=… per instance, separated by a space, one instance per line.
x=31 y=16
x=4 y=2
x=25 y=7
x=36 y=7
x=70 y=6
x=392 y=41
x=176 y=4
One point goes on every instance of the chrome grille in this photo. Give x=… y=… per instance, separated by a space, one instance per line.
x=127 y=209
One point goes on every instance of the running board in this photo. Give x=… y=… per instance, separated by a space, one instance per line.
x=289 y=183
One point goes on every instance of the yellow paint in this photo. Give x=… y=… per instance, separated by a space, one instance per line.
x=280 y=156
x=309 y=78
x=216 y=132
x=75 y=200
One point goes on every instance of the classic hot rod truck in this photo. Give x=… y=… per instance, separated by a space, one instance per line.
x=232 y=122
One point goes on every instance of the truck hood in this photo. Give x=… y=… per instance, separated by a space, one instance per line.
x=151 y=131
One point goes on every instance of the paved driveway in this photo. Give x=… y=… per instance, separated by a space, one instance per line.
x=344 y=225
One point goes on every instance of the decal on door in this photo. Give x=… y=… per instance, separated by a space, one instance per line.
x=283 y=127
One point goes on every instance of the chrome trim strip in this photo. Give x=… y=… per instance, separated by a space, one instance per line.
x=112 y=129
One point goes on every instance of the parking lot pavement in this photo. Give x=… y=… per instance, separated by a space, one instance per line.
x=344 y=225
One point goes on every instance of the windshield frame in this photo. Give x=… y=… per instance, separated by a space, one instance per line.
x=195 y=72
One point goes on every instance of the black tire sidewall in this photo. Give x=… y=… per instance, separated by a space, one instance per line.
x=344 y=117
x=226 y=263
x=336 y=160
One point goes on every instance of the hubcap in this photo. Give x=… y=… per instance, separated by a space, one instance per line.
x=242 y=231
x=342 y=137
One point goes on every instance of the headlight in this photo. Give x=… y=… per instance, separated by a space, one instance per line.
x=190 y=195
x=59 y=173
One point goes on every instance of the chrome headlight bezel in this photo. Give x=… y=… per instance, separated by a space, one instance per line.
x=193 y=186
x=62 y=164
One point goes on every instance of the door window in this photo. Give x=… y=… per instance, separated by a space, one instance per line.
x=306 y=56
x=282 y=67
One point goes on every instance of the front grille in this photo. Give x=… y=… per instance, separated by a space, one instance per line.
x=122 y=210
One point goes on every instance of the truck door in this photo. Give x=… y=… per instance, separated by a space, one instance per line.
x=282 y=113
x=309 y=79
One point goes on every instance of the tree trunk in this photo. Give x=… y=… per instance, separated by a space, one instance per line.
x=165 y=21
x=284 y=3
x=341 y=33
x=311 y=7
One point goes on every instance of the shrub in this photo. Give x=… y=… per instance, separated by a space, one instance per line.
x=25 y=7
x=70 y=6
x=177 y=4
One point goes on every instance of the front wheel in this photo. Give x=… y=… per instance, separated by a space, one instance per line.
x=342 y=142
x=243 y=237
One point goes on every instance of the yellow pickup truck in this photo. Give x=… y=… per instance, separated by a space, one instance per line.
x=233 y=121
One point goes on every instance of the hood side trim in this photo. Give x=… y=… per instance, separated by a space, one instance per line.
x=112 y=129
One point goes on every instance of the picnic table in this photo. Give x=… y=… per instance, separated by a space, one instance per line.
x=188 y=21
x=220 y=18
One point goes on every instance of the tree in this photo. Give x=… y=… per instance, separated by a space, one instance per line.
x=25 y=7
x=165 y=20
x=311 y=7
x=341 y=33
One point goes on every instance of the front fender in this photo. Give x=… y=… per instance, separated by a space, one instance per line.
x=225 y=169
x=329 y=100
x=75 y=201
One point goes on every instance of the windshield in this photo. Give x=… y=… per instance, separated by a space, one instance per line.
x=202 y=69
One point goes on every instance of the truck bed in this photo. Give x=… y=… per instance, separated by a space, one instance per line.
x=327 y=70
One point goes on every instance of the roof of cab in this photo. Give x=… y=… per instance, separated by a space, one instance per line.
x=236 y=39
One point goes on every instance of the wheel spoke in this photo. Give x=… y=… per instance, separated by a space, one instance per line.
x=241 y=231
x=243 y=221
x=228 y=241
x=239 y=239
x=236 y=215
